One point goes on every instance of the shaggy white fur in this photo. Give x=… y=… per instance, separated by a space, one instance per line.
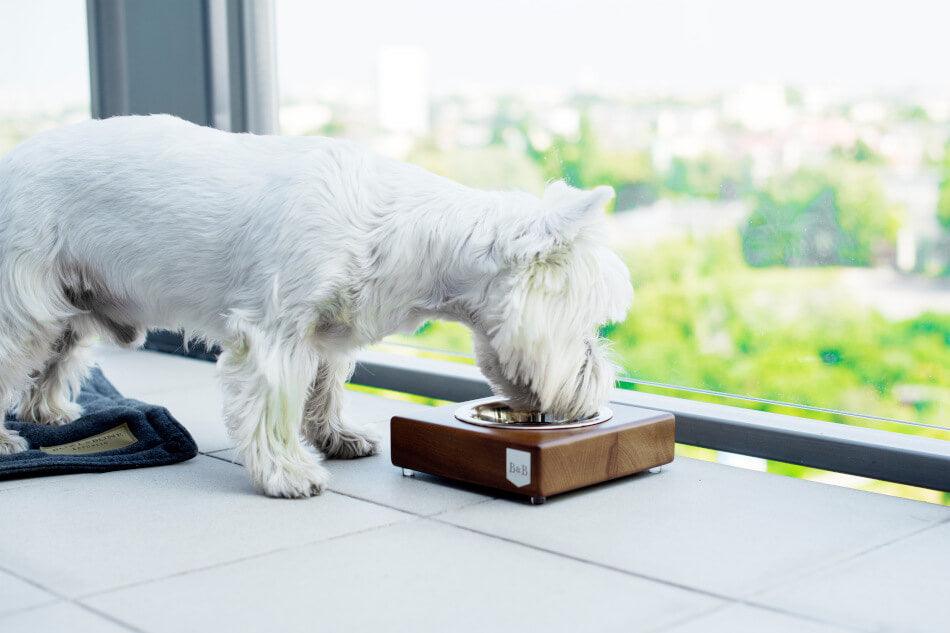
x=291 y=253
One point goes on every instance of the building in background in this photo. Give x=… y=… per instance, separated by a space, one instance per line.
x=402 y=96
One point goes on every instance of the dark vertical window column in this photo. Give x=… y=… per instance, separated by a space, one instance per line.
x=211 y=62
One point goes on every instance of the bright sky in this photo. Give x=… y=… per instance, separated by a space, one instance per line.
x=43 y=46
x=628 y=43
x=562 y=43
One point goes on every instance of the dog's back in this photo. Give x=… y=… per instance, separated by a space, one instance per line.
x=191 y=214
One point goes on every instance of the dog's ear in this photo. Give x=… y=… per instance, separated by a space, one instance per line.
x=567 y=211
x=564 y=214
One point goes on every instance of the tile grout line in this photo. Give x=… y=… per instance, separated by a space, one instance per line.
x=820 y=569
x=59 y=598
x=235 y=561
x=381 y=505
x=226 y=461
x=329 y=489
x=34 y=583
x=585 y=561
x=753 y=599
x=792 y=614
x=32 y=607
x=466 y=506
x=108 y=617
x=704 y=592
x=748 y=600
x=691 y=618
x=415 y=514
x=367 y=500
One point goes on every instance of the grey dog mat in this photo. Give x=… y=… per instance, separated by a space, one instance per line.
x=114 y=433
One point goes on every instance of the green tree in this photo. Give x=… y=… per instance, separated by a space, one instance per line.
x=835 y=216
x=567 y=159
x=943 y=198
x=860 y=152
x=582 y=163
x=708 y=176
x=491 y=167
x=943 y=203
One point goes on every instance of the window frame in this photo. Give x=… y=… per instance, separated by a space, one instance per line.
x=212 y=62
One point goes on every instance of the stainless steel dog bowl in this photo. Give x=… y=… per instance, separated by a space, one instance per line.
x=495 y=412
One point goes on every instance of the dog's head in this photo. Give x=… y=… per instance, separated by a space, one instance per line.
x=536 y=319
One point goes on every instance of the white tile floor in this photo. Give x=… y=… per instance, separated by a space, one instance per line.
x=697 y=547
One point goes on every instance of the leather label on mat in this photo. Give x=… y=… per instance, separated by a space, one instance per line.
x=115 y=438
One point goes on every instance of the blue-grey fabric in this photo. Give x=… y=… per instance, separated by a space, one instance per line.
x=160 y=439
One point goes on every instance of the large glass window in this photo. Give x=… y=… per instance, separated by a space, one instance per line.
x=44 y=81
x=782 y=172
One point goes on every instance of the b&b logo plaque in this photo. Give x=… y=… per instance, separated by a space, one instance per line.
x=518 y=467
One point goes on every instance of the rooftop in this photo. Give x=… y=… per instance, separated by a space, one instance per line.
x=698 y=546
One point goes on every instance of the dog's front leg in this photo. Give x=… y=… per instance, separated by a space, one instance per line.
x=264 y=393
x=323 y=424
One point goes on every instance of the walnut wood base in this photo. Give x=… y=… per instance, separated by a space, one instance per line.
x=532 y=463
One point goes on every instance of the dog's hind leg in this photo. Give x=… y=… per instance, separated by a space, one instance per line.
x=264 y=393
x=15 y=371
x=323 y=425
x=24 y=347
x=34 y=315
x=50 y=399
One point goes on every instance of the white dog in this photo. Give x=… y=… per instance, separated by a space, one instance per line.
x=291 y=253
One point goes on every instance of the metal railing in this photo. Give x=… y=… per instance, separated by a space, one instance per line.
x=906 y=459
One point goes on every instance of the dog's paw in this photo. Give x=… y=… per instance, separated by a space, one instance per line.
x=11 y=442
x=49 y=413
x=293 y=480
x=352 y=442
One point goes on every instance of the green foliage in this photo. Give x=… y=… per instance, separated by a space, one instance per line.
x=943 y=199
x=860 y=152
x=574 y=161
x=440 y=335
x=913 y=113
x=703 y=318
x=707 y=313
x=708 y=176
x=582 y=163
x=492 y=167
x=943 y=203
x=863 y=153
x=837 y=216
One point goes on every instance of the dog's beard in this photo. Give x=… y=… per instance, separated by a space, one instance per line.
x=519 y=395
x=578 y=396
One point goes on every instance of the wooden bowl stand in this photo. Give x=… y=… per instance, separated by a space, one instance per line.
x=532 y=463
